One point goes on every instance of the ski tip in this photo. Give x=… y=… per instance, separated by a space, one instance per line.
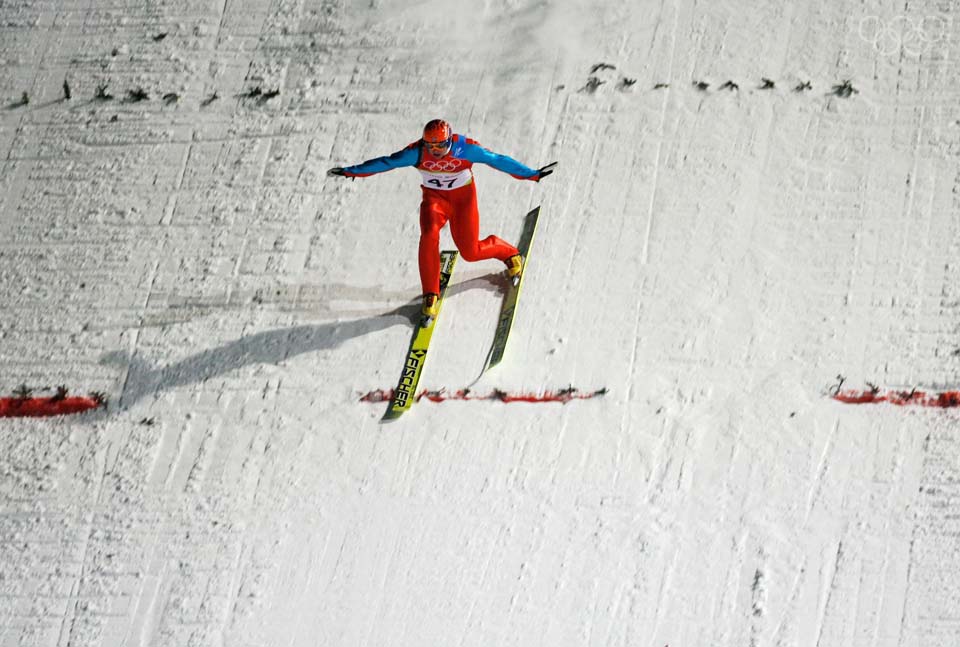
x=392 y=415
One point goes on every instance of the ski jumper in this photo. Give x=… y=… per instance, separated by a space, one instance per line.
x=449 y=195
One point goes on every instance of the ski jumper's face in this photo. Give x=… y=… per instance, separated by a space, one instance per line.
x=438 y=149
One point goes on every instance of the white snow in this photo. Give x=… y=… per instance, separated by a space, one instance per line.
x=714 y=258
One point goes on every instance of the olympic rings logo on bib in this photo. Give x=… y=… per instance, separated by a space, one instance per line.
x=442 y=165
x=911 y=35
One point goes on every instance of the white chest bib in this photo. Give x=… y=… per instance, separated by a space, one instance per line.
x=445 y=181
x=445 y=174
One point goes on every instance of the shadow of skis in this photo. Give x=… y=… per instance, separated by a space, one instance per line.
x=268 y=347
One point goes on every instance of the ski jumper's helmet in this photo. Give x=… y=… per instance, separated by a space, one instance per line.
x=437 y=137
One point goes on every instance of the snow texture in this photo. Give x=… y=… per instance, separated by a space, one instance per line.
x=713 y=249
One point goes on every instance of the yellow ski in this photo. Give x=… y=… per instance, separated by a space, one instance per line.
x=509 y=306
x=405 y=393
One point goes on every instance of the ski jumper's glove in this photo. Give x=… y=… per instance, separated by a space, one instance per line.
x=544 y=171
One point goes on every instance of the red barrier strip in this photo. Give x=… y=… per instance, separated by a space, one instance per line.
x=914 y=398
x=563 y=396
x=29 y=407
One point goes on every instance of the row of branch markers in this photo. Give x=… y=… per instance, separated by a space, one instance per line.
x=843 y=89
x=24 y=404
x=138 y=94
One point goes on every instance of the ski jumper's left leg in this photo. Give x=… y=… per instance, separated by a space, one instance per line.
x=465 y=228
x=434 y=210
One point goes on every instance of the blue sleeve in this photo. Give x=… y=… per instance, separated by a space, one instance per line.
x=479 y=155
x=409 y=156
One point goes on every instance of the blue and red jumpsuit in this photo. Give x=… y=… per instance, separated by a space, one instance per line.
x=449 y=195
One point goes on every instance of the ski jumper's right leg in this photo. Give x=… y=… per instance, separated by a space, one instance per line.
x=465 y=229
x=434 y=210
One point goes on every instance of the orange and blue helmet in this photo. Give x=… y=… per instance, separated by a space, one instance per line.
x=437 y=137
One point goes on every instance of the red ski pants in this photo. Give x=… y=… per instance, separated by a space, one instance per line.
x=459 y=208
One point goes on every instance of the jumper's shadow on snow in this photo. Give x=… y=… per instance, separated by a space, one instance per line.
x=269 y=347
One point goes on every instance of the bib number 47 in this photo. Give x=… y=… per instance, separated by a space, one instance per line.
x=441 y=183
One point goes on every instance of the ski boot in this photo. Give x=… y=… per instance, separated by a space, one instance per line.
x=514 y=268
x=429 y=310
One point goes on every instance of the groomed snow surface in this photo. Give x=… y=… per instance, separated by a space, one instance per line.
x=714 y=256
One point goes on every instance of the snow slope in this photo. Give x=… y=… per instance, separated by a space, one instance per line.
x=715 y=258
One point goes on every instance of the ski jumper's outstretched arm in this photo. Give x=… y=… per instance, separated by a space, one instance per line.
x=479 y=155
x=408 y=156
